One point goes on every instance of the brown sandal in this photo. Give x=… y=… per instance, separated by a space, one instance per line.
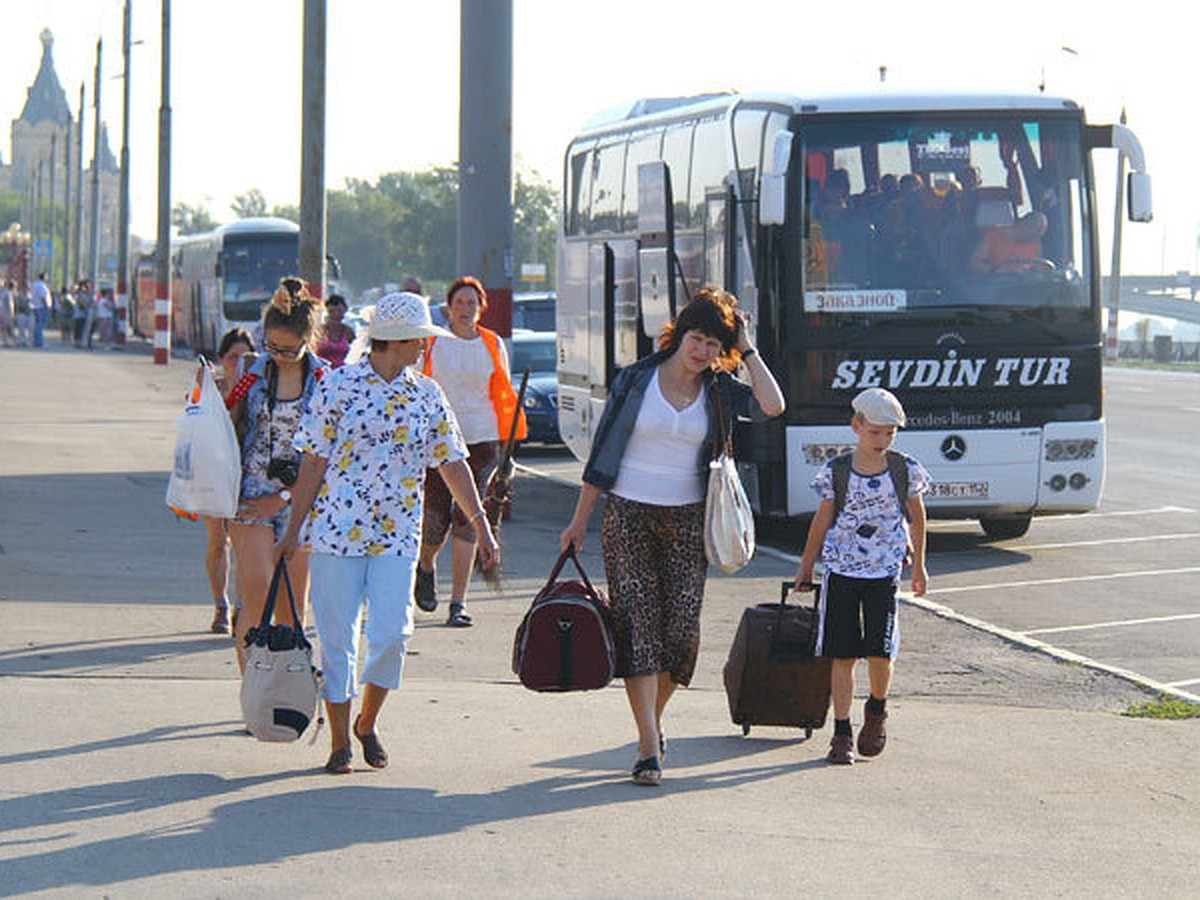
x=373 y=751
x=339 y=762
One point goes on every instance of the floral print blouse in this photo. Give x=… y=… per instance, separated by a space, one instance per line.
x=378 y=438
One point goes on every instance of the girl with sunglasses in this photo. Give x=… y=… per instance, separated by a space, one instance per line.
x=267 y=405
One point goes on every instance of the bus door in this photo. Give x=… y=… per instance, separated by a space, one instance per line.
x=718 y=237
x=656 y=252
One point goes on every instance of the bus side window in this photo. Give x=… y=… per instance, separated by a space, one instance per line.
x=579 y=192
x=677 y=153
x=709 y=165
x=607 y=172
x=642 y=148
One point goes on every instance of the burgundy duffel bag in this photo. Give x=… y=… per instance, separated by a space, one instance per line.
x=564 y=641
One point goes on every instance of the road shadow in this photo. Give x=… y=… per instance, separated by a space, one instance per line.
x=83 y=656
x=350 y=813
x=166 y=734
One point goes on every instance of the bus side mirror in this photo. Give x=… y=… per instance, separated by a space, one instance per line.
x=1141 y=206
x=772 y=201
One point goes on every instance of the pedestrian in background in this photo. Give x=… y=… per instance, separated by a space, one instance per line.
x=231 y=352
x=40 y=303
x=267 y=405
x=863 y=547
x=374 y=430
x=24 y=315
x=471 y=365
x=8 y=314
x=650 y=454
x=83 y=302
x=65 y=313
x=336 y=336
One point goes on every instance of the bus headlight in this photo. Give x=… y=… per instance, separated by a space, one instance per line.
x=1062 y=450
x=1057 y=483
x=1079 y=481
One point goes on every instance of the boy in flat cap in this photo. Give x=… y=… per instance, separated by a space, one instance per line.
x=870 y=520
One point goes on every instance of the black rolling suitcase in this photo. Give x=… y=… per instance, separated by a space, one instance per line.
x=771 y=676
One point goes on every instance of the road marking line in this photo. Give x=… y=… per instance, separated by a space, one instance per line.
x=1177 y=684
x=1125 y=540
x=1022 y=640
x=1040 y=581
x=937 y=524
x=1128 y=512
x=1115 y=624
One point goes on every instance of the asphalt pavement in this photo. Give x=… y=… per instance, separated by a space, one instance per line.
x=124 y=771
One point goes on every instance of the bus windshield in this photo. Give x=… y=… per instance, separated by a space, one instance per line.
x=920 y=216
x=252 y=269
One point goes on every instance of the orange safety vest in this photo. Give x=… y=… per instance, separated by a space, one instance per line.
x=500 y=389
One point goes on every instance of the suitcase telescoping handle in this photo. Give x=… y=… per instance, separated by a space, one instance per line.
x=786 y=587
x=569 y=553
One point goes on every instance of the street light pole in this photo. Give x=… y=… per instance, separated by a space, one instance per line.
x=162 y=248
x=312 y=150
x=123 y=225
x=78 y=240
x=94 y=223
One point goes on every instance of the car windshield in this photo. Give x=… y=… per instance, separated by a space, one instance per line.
x=536 y=353
x=904 y=215
x=536 y=314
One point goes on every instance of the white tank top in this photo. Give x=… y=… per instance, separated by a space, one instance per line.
x=659 y=466
x=463 y=368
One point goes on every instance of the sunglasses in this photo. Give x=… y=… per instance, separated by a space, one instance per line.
x=285 y=352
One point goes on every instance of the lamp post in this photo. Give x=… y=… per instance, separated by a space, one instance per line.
x=123 y=222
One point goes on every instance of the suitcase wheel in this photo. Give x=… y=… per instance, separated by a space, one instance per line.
x=745 y=728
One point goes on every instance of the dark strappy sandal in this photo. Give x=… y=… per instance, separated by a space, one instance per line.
x=373 y=751
x=339 y=762
x=458 y=617
x=647 y=772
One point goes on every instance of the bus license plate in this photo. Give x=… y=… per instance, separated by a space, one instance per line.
x=959 y=490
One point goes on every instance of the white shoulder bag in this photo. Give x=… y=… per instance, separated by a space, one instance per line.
x=728 y=518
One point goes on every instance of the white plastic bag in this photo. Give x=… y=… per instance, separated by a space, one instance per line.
x=728 y=518
x=206 y=478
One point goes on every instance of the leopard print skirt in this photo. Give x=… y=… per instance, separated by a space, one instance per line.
x=654 y=560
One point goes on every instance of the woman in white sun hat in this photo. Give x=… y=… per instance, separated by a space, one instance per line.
x=373 y=429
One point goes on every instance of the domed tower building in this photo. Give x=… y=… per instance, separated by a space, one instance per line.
x=45 y=142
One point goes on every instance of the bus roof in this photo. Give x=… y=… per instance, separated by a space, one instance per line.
x=258 y=225
x=664 y=109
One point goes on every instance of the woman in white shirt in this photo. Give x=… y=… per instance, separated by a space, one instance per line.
x=472 y=369
x=650 y=453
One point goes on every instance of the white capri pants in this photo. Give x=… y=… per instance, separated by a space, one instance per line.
x=339 y=585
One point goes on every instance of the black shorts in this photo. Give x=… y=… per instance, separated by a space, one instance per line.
x=858 y=618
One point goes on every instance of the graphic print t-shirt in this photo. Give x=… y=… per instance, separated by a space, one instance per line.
x=870 y=537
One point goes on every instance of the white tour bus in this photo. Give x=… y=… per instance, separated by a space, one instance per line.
x=942 y=247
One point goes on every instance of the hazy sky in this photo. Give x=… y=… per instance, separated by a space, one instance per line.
x=393 y=80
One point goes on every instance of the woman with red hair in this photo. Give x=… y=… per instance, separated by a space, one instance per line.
x=472 y=368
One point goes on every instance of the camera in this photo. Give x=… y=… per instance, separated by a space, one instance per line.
x=284 y=470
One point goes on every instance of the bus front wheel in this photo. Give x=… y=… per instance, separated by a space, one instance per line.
x=1005 y=527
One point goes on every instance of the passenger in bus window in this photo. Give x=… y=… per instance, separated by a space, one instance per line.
x=650 y=455
x=1012 y=248
x=266 y=405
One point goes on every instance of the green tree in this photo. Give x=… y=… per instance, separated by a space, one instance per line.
x=191 y=219
x=249 y=205
x=535 y=217
x=286 y=211
x=10 y=208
